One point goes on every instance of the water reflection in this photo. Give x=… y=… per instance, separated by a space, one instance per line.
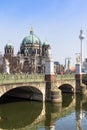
x=81 y=110
x=18 y=115
x=40 y=116
x=52 y=113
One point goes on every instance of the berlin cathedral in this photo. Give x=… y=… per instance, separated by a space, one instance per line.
x=31 y=56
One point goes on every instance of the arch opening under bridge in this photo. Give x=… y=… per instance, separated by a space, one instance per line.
x=24 y=92
x=66 y=88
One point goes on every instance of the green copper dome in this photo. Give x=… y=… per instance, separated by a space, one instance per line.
x=46 y=43
x=31 y=39
x=9 y=45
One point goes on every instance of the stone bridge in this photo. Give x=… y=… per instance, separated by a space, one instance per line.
x=35 y=87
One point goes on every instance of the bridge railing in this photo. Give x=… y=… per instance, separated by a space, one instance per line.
x=65 y=77
x=20 y=78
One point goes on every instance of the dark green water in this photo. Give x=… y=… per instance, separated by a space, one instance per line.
x=71 y=114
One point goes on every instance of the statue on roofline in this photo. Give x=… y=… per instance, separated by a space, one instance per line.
x=78 y=58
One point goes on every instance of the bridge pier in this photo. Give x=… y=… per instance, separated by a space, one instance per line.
x=80 y=87
x=53 y=94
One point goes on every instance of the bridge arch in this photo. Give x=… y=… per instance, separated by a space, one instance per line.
x=33 y=91
x=70 y=84
x=66 y=88
x=30 y=93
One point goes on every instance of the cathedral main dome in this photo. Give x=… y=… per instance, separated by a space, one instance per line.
x=31 y=39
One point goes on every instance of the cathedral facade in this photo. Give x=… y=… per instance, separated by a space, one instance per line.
x=30 y=58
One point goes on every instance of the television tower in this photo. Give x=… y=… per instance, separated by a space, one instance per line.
x=81 y=37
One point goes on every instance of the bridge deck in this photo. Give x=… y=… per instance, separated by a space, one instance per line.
x=65 y=77
x=20 y=78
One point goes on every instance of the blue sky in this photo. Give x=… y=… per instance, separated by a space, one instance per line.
x=58 y=21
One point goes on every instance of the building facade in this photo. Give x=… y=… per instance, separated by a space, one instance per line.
x=30 y=58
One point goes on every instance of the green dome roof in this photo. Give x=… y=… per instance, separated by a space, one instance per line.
x=9 y=45
x=31 y=39
x=46 y=43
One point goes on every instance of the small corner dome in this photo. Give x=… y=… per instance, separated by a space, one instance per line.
x=31 y=39
x=8 y=45
x=46 y=43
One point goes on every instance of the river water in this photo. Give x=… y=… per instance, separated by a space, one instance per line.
x=71 y=114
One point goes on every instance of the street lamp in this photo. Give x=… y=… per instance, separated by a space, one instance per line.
x=81 y=37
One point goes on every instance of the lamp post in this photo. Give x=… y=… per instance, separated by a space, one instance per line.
x=81 y=37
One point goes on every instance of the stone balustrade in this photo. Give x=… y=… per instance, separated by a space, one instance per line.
x=19 y=78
